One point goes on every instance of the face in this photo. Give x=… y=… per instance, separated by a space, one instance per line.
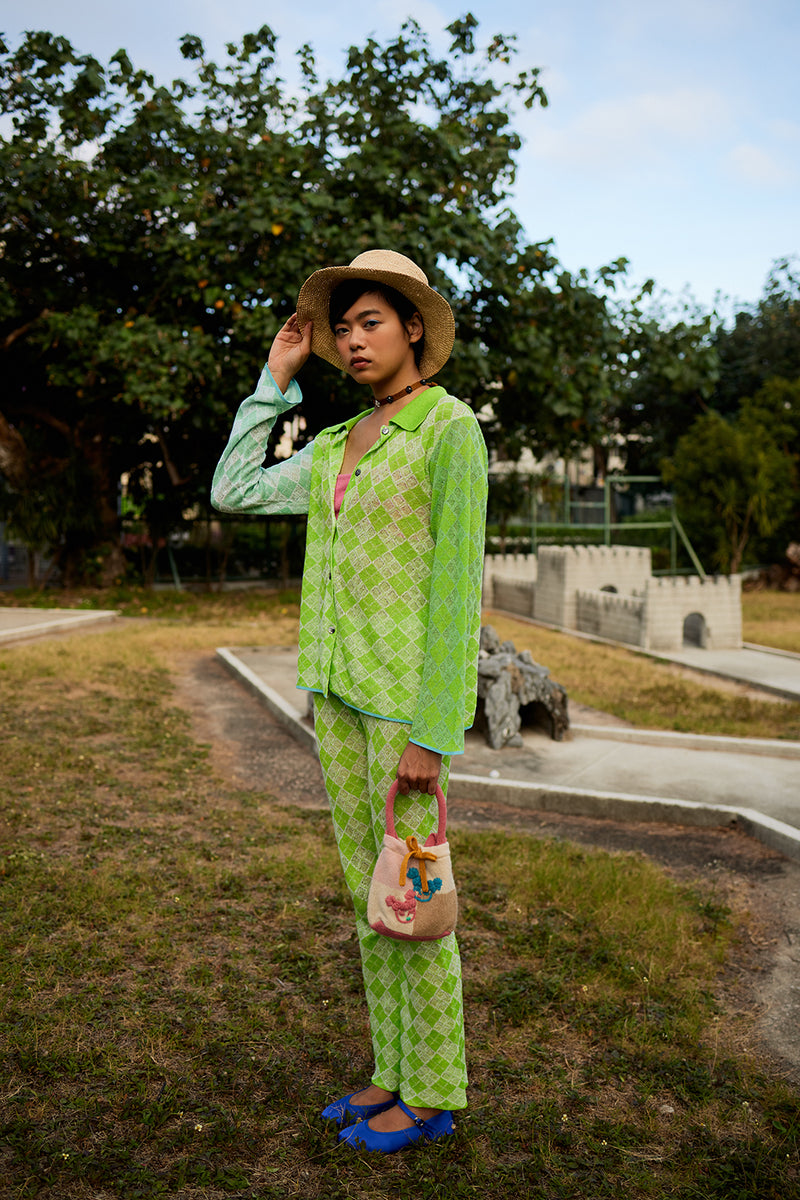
x=376 y=347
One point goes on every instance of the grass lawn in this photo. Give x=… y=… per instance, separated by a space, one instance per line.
x=649 y=694
x=181 y=987
x=772 y=619
x=631 y=686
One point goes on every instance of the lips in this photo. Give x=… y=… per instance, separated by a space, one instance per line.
x=357 y=363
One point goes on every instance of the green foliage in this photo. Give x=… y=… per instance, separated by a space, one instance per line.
x=666 y=379
x=733 y=484
x=775 y=407
x=670 y=372
x=561 y=341
x=509 y=498
x=763 y=342
x=155 y=238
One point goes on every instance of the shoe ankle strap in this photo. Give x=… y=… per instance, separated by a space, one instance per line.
x=429 y=1130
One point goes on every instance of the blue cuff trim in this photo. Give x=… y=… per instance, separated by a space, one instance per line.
x=444 y=753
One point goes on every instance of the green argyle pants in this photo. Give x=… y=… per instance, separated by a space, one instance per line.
x=413 y=988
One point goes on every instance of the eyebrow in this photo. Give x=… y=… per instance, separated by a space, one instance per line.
x=365 y=312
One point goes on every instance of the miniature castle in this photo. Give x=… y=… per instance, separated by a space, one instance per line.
x=610 y=592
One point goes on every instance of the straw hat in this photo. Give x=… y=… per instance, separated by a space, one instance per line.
x=399 y=272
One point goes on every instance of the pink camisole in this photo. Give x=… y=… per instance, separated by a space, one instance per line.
x=338 y=495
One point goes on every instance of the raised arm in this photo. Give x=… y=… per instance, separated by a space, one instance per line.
x=241 y=484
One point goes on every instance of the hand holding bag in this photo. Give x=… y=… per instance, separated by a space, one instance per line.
x=412 y=895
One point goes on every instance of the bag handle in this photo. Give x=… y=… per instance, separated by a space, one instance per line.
x=433 y=839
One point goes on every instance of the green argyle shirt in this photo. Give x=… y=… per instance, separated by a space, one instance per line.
x=390 y=612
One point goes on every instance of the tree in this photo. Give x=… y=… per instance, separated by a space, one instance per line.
x=666 y=378
x=556 y=345
x=509 y=498
x=733 y=485
x=153 y=240
x=775 y=409
x=763 y=342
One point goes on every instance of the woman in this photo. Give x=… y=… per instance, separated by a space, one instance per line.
x=389 y=626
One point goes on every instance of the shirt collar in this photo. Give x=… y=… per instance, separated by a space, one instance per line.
x=410 y=417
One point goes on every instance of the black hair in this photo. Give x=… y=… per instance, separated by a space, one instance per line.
x=344 y=296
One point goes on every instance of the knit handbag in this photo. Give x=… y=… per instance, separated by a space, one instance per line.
x=412 y=895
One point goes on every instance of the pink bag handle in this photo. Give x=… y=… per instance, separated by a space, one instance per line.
x=433 y=839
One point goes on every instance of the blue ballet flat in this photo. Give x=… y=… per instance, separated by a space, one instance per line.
x=342 y=1110
x=437 y=1127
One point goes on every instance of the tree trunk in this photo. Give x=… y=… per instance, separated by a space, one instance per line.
x=96 y=557
x=13 y=454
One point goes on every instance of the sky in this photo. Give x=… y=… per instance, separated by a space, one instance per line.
x=672 y=135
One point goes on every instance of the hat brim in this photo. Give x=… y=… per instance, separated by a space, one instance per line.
x=313 y=304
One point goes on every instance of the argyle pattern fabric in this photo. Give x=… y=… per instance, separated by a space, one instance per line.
x=413 y=989
x=240 y=485
x=390 y=613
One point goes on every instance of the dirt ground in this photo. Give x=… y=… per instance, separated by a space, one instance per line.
x=253 y=751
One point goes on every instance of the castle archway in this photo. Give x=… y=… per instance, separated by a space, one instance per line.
x=695 y=630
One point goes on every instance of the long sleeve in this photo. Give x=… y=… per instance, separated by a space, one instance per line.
x=241 y=484
x=446 y=701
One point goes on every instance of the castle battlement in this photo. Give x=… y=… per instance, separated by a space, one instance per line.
x=694 y=582
x=520 y=566
x=604 y=554
x=610 y=591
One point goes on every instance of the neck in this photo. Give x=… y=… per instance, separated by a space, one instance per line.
x=380 y=402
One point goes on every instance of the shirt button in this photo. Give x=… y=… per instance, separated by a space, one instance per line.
x=333 y=629
x=384 y=430
x=358 y=470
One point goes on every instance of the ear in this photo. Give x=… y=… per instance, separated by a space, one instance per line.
x=414 y=328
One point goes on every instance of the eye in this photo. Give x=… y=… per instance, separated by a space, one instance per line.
x=340 y=331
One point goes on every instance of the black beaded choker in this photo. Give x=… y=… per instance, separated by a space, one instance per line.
x=406 y=391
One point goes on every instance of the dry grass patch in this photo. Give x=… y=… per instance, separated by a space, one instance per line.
x=182 y=988
x=649 y=694
x=772 y=619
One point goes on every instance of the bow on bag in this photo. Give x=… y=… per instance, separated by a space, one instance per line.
x=416 y=851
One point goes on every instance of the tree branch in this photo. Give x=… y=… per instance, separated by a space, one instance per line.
x=174 y=477
x=10 y=338
x=46 y=418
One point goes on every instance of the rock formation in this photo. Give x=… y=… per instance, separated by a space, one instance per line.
x=512 y=690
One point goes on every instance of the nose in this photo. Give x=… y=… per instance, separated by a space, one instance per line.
x=356 y=338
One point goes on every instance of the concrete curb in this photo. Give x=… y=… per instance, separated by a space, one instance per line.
x=772 y=690
x=620 y=806
x=57 y=624
x=771 y=650
x=569 y=801
x=283 y=712
x=773 y=747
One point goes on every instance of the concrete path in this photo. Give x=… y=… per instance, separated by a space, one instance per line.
x=19 y=623
x=776 y=671
x=676 y=778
